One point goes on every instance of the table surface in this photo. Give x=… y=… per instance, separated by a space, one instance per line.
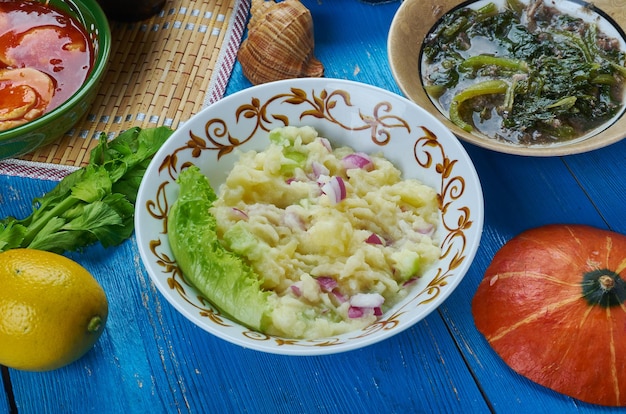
x=152 y=359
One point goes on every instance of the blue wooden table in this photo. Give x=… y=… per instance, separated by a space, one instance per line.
x=150 y=359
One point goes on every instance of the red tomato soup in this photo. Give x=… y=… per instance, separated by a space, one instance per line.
x=45 y=56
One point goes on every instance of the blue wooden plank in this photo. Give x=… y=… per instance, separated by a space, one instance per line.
x=601 y=174
x=525 y=192
x=16 y=197
x=152 y=359
x=519 y=193
x=351 y=40
x=416 y=371
x=4 y=398
x=129 y=379
x=353 y=47
x=125 y=361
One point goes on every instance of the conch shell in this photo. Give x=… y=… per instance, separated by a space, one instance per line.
x=280 y=43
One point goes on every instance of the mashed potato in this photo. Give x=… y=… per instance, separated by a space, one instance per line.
x=334 y=234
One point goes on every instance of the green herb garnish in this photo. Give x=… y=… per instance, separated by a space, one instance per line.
x=93 y=203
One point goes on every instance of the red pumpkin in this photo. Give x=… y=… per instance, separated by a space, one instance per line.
x=552 y=305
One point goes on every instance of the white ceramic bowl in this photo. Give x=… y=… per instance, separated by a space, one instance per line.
x=364 y=117
x=416 y=18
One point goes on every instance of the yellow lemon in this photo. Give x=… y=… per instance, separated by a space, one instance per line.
x=52 y=310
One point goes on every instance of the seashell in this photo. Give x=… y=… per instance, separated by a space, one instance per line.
x=280 y=43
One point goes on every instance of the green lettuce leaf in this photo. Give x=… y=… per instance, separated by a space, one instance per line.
x=220 y=275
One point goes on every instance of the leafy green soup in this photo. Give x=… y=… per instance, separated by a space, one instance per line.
x=525 y=73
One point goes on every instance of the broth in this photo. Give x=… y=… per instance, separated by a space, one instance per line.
x=528 y=74
x=45 y=56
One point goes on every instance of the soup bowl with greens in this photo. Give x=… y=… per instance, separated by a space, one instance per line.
x=531 y=77
x=309 y=216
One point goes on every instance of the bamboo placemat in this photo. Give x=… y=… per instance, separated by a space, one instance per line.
x=161 y=72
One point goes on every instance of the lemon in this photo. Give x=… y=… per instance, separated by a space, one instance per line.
x=52 y=310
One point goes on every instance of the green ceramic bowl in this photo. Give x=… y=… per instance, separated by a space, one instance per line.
x=54 y=124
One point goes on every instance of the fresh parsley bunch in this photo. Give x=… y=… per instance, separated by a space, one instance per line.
x=93 y=203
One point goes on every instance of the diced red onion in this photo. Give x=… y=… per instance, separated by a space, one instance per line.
x=354 y=312
x=409 y=282
x=335 y=189
x=292 y=220
x=358 y=160
x=322 y=179
x=340 y=297
x=367 y=300
x=296 y=290
x=325 y=143
x=362 y=302
x=239 y=213
x=327 y=283
x=375 y=239
x=429 y=229
x=319 y=169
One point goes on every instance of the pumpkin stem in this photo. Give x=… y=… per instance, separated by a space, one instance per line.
x=604 y=287
x=606 y=282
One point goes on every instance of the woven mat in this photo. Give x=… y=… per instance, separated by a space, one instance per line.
x=161 y=72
